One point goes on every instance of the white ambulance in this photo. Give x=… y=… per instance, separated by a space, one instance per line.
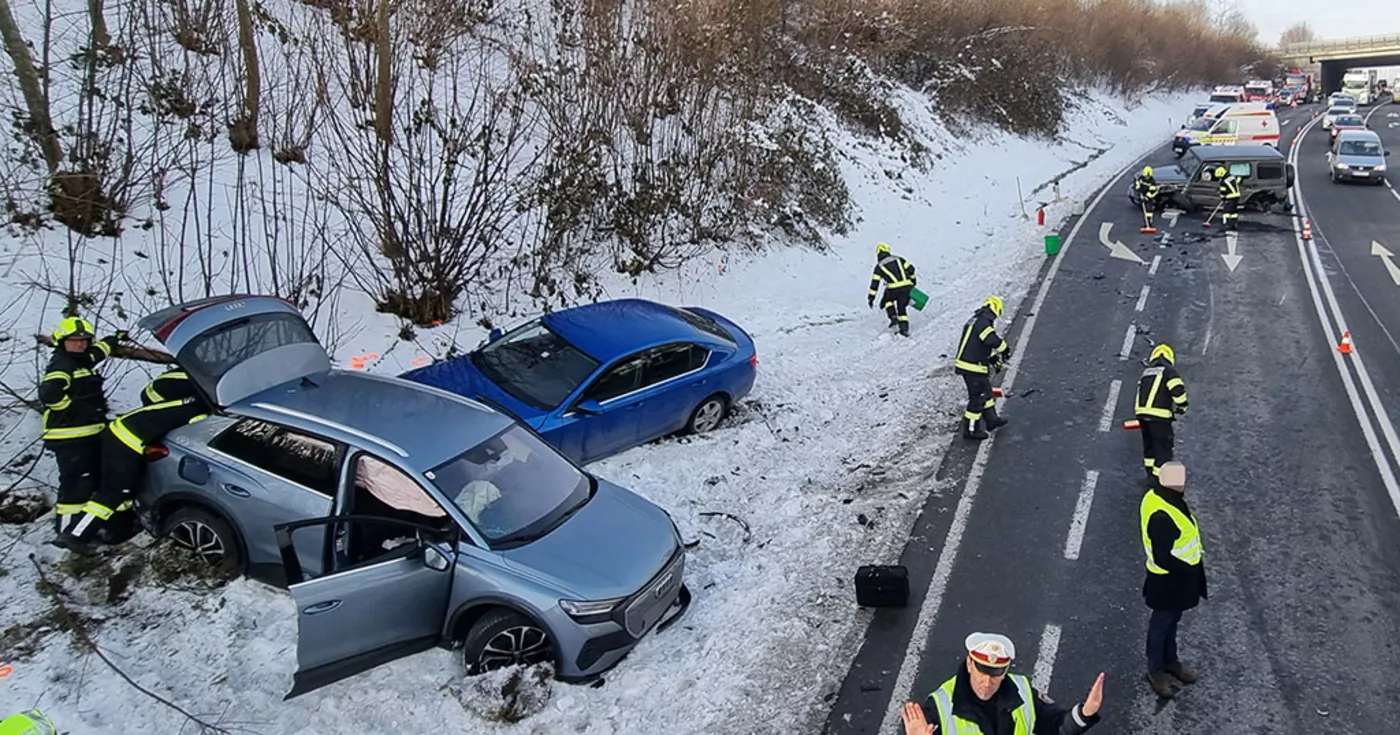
x=1244 y=123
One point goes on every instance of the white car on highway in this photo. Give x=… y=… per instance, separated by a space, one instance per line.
x=1334 y=112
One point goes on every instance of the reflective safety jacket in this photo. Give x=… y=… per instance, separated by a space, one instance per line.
x=980 y=345
x=1230 y=188
x=71 y=390
x=144 y=425
x=1014 y=709
x=1146 y=186
x=1161 y=392
x=171 y=385
x=1187 y=548
x=896 y=272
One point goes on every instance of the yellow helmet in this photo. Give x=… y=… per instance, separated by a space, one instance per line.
x=1220 y=172
x=72 y=327
x=1146 y=170
x=995 y=303
x=1163 y=350
x=882 y=250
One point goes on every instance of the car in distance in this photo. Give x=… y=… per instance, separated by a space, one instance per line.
x=400 y=517
x=1357 y=156
x=598 y=379
x=1344 y=122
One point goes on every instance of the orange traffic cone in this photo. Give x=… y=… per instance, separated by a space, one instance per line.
x=1345 y=346
x=1307 y=229
x=1131 y=425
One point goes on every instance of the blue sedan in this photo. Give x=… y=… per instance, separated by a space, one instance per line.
x=599 y=379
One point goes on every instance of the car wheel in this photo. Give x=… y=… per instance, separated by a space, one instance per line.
x=503 y=638
x=707 y=415
x=206 y=534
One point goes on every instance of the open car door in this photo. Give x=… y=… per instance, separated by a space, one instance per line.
x=385 y=596
x=234 y=347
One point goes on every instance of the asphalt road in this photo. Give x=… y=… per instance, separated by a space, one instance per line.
x=1039 y=537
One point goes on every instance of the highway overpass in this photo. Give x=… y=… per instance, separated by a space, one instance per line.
x=1337 y=55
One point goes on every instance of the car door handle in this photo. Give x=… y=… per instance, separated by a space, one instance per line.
x=235 y=490
x=320 y=607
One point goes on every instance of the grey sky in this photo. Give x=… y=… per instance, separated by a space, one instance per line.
x=1329 y=18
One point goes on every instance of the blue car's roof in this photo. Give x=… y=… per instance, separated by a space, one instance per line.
x=430 y=425
x=613 y=329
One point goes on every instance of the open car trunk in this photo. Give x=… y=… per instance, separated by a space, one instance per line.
x=235 y=347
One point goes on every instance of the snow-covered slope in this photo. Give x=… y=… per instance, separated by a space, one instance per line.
x=825 y=465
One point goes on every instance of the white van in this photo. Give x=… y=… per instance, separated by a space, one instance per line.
x=1245 y=123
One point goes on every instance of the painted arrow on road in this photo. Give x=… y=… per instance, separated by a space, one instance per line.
x=1388 y=258
x=1171 y=214
x=1232 y=261
x=1116 y=249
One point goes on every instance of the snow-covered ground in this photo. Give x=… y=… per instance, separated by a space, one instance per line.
x=826 y=464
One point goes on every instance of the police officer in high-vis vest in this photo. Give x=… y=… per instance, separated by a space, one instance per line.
x=983 y=698
x=1176 y=573
x=124 y=465
x=75 y=411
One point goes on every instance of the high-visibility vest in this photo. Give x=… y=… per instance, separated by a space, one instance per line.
x=1187 y=548
x=950 y=724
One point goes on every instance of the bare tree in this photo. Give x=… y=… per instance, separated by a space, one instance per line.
x=1297 y=33
x=36 y=102
x=243 y=133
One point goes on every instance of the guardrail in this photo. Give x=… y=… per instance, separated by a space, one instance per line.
x=1359 y=43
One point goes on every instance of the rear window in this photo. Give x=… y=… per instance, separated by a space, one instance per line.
x=1270 y=171
x=217 y=351
x=705 y=324
x=1350 y=120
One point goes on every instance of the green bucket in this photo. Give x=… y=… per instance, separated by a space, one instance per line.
x=1052 y=244
x=918 y=299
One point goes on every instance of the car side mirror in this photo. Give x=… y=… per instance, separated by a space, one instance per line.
x=495 y=334
x=1387 y=153
x=589 y=407
x=435 y=559
x=1183 y=127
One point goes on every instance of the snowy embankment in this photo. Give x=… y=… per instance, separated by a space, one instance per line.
x=826 y=465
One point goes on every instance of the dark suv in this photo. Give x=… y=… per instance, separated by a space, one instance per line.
x=1265 y=177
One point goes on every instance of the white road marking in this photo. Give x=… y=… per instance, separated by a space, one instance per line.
x=1156 y=261
x=938 y=586
x=1106 y=418
x=1080 y=522
x=1316 y=274
x=1142 y=298
x=1128 y=342
x=1045 y=663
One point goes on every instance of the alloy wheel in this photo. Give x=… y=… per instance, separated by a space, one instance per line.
x=201 y=539
x=522 y=645
x=708 y=415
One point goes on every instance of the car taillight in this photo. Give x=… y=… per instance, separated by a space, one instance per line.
x=154 y=452
x=753 y=361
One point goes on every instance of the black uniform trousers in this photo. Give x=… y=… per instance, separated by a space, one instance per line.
x=979 y=395
x=122 y=471
x=897 y=306
x=1230 y=217
x=79 y=466
x=1158 y=443
x=1161 y=639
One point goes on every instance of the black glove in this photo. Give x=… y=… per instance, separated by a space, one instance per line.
x=870 y=302
x=118 y=336
x=1006 y=354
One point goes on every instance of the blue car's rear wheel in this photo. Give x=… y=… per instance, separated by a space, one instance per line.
x=707 y=415
x=503 y=638
x=210 y=537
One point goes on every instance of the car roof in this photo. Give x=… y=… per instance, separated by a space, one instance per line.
x=1221 y=152
x=609 y=330
x=421 y=425
x=1358 y=133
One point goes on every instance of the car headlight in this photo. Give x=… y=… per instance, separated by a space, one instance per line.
x=1380 y=167
x=1342 y=166
x=590 y=611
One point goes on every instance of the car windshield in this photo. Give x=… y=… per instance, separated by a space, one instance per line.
x=535 y=365
x=1335 y=111
x=1360 y=148
x=1224 y=98
x=1352 y=120
x=1190 y=161
x=1201 y=123
x=512 y=487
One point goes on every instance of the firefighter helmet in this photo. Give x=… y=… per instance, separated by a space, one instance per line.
x=995 y=303
x=75 y=327
x=1163 y=350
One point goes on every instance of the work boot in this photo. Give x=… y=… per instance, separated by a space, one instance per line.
x=1183 y=674
x=69 y=542
x=1160 y=684
x=904 y=329
x=972 y=429
x=994 y=421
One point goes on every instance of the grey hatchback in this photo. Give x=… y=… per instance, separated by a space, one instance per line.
x=399 y=516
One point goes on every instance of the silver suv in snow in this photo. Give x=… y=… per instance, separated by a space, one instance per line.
x=399 y=516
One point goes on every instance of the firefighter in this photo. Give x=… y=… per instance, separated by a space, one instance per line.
x=981 y=351
x=75 y=410
x=1146 y=187
x=123 y=467
x=1229 y=198
x=898 y=276
x=171 y=385
x=1161 y=397
x=984 y=697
